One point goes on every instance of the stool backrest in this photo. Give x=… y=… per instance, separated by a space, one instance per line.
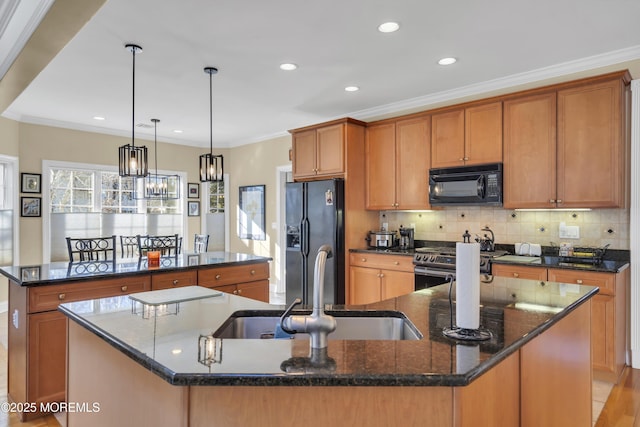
x=91 y=249
x=201 y=243
x=166 y=245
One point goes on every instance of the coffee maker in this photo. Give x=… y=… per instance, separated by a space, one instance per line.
x=406 y=238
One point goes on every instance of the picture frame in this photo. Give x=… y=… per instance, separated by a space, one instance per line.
x=30 y=273
x=193 y=259
x=30 y=182
x=193 y=190
x=30 y=206
x=251 y=215
x=193 y=209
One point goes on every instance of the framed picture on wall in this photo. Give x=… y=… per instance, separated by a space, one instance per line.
x=194 y=209
x=193 y=190
x=30 y=206
x=30 y=182
x=251 y=217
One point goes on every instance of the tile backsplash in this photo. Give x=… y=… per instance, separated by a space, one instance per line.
x=598 y=227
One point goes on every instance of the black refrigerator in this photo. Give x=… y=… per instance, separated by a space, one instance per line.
x=314 y=217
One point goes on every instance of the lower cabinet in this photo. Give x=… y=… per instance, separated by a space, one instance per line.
x=608 y=311
x=258 y=290
x=376 y=277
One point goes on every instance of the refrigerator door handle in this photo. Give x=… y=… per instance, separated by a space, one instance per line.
x=304 y=244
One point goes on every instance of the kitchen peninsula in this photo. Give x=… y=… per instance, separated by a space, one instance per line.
x=37 y=330
x=539 y=353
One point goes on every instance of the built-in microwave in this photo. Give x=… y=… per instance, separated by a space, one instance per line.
x=466 y=185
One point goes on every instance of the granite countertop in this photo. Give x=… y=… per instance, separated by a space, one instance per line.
x=47 y=274
x=168 y=345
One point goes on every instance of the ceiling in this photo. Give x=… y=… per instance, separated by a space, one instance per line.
x=335 y=43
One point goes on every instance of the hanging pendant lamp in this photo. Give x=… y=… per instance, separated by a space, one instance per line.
x=156 y=186
x=132 y=160
x=211 y=167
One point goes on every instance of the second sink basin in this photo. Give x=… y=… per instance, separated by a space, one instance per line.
x=351 y=325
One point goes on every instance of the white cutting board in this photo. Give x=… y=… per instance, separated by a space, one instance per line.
x=519 y=258
x=174 y=295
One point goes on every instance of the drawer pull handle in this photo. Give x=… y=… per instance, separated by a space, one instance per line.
x=62 y=296
x=124 y=288
x=516 y=275
x=579 y=281
x=218 y=277
x=253 y=272
x=175 y=282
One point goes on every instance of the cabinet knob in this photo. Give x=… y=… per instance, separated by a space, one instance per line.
x=552 y=201
x=124 y=288
x=396 y=263
x=363 y=260
x=175 y=282
x=559 y=201
x=239 y=291
x=381 y=275
x=466 y=158
x=253 y=272
x=235 y=292
x=579 y=281
x=516 y=275
x=218 y=277
x=62 y=296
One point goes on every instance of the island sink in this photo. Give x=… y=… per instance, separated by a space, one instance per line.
x=351 y=325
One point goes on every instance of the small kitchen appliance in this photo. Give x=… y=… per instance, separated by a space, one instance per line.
x=382 y=239
x=406 y=238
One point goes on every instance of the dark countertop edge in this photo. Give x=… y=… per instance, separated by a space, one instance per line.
x=322 y=380
x=99 y=276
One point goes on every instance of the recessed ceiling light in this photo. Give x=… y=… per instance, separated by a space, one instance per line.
x=176 y=351
x=177 y=131
x=388 y=27
x=447 y=61
x=352 y=88
x=288 y=66
x=98 y=118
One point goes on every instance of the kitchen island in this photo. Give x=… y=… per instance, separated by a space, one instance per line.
x=535 y=369
x=37 y=330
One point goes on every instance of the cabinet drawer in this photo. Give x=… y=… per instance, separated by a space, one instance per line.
x=519 y=272
x=605 y=281
x=212 y=277
x=46 y=298
x=387 y=262
x=174 y=279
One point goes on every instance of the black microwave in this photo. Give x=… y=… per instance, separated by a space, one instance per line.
x=466 y=185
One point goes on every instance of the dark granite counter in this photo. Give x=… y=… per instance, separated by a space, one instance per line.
x=514 y=310
x=47 y=274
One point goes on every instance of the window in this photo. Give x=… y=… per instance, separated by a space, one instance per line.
x=216 y=197
x=8 y=189
x=71 y=191
x=117 y=193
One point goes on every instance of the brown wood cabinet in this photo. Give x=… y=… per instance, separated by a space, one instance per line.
x=608 y=311
x=37 y=335
x=567 y=147
x=397 y=164
x=376 y=277
x=467 y=136
x=174 y=279
x=319 y=152
x=250 y=280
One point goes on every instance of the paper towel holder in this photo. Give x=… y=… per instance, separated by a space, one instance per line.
x=463 y=334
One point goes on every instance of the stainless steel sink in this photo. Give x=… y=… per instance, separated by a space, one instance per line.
x=351 y=325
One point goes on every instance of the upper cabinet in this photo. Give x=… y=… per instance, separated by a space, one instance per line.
x=319 y=152
x=567 y=148
x=467 y=136
x=397 y=164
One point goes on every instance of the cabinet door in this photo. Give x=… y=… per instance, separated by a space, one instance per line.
x=519 y=272
x=364 y=285
x=330 y=150
x=396 y=283
x=602 y=332
x=413 y=158
x=605 y=281
x=304 y=154
x=591 y=149
x=255 y=290
x=47 y=357
x=530 y=152
x=483 y=134
x=380 y=166
x=447 y=139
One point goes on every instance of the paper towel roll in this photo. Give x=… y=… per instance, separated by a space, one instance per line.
x=467 y=358
x=468 y=285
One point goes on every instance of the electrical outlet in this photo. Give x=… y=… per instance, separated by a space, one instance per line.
x=385 y=226
x=568 y=231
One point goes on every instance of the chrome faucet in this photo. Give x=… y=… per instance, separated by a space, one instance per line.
x=318 y=325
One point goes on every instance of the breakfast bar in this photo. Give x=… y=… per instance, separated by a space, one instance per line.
x=185 y=357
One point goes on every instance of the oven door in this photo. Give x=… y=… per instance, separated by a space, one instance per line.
x=426 y=277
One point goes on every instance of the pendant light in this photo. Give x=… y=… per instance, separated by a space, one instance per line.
x=156 y=186
x=211 y=167
x=132 y=160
